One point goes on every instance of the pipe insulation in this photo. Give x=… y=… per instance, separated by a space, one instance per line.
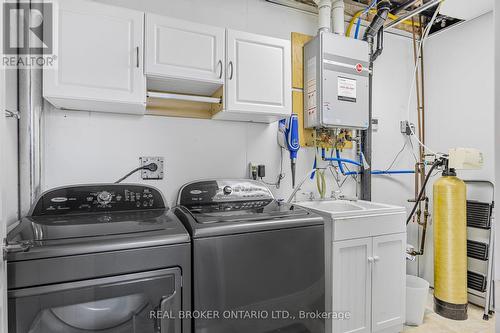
x=338 y=23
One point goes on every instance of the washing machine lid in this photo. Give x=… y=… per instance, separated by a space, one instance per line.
x=49 y=228
x=95 y=218
x=245 y=211
x=229 y=206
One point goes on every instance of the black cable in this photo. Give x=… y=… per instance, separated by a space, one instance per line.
x=422 y=190
x=281 y=175
x=150 y=167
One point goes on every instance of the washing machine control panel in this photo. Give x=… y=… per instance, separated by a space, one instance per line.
x=215 y=192
x=98 y=198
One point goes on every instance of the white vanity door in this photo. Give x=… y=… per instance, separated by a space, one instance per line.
x=352 y=284
x=388 y=281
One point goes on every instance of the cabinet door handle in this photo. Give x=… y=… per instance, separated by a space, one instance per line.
x=376 y=258
x=220 y=64
x=231 y=66
x=137 y=56
x=371 y=260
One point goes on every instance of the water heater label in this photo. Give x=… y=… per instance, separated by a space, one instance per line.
x=346 y=89
x=311 y=87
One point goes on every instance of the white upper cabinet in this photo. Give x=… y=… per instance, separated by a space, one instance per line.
x=258 y=78
x=99 y=64
x=183 y=56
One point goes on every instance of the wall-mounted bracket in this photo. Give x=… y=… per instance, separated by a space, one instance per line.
x=12 y=114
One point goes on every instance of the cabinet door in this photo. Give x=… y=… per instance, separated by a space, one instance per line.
x=352 y=284
x=258 y=74
x=388 y=281
x=99 y=55
x=184 y=50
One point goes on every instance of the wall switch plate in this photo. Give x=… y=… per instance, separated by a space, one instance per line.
x=148 y=174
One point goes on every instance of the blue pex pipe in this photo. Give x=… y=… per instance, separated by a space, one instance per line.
x=339 y=159
x=342 y=160
x=374 y=172
x=392 y=172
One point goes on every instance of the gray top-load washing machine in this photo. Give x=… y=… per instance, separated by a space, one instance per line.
x=108 y=258
x=258 y=264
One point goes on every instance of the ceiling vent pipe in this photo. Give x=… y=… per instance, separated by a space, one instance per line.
x=329 y=10
x=338 y=23
x=383 y=9
x=324 y=14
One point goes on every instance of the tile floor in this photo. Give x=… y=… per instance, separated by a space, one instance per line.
x=434 y=323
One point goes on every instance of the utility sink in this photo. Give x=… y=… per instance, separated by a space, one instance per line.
x=338 y=208
x=346 y=219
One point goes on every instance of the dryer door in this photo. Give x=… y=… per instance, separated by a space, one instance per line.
x=143 y=302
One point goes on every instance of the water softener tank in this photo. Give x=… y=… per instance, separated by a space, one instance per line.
x=450 y=246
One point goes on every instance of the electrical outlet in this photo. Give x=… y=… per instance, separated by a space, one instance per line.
x=406 y=127
x=253 y=170
x=374 y=124
x=148 y=174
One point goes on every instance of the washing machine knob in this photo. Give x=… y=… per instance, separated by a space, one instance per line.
x=104 y=197
x=227 y=190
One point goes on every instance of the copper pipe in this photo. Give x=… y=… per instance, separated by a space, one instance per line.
x=423 y=89
x=418 y=171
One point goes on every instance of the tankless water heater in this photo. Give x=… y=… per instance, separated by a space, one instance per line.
x=336 y=89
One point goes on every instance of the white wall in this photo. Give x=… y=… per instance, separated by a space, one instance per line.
x=497 y=153
x=459 y=99
x=10 y=146
x=83 y=147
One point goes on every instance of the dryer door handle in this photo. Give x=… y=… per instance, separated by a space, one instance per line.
x=170 y=322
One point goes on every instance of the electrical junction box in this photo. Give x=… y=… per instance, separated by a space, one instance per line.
x=336 y=89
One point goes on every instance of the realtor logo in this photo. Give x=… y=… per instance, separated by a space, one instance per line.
x=28 y=35
x=27 y=28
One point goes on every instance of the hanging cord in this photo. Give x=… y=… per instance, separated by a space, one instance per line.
x=413 y=150
x=281 y=176
x=151 y=167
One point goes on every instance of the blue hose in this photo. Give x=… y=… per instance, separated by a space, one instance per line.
x=342 y=160
x=358 y=23
x=341 y=166
x=391 y=172
x=374 y=172
x=339 y=159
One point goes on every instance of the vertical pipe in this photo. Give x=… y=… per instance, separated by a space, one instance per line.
x=422 y=89
x=420 y=172
x=325 y=14
x=338 y=23
x=366 y=140
x=30 y=104
x=30 y=107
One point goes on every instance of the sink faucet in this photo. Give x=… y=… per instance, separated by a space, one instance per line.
x=336 y=195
